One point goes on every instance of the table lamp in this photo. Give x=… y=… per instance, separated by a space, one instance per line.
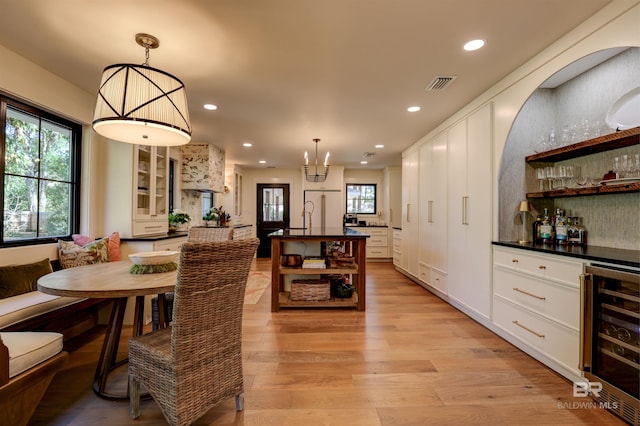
x=524 y=210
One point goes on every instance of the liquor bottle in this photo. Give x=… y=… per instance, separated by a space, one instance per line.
x=582 y=232
x=536 y=229
x=572 y=232
x=546 y=230
x=561 y=228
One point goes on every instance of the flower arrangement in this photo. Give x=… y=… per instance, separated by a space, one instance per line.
x=178 y=217
x=220 y=216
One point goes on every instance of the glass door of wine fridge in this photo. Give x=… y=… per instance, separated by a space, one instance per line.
x=610 y=335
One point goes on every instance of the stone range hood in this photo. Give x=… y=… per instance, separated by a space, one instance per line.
x=202 y=168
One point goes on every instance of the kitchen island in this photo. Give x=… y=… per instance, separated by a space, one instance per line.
x=354 y=244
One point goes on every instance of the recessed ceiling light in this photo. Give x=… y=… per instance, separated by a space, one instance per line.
x=262 y=161
x=379 y=146
x=364 y=162
x=210 y=107
x=473 y=45
x=413 y=109
x=247 y=144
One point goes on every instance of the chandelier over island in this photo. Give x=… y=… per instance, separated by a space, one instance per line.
x=316 y=177
x=142 y=105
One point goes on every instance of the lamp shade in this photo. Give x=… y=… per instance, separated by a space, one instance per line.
x=142 y=105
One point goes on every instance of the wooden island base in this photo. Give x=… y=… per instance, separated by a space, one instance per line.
x=355 y=245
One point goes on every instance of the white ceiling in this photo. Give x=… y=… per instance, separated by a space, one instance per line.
x=286 y=71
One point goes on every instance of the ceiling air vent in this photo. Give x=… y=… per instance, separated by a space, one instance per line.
x=440 y=83
x=368 y=155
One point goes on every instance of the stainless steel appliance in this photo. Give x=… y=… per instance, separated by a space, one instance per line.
x=350 y=219
x=610 y=353
x=327 y=209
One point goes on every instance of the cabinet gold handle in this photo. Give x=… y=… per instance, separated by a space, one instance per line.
x=528 y=329
x=514 y=260
x=529 y=294
x=542 y=267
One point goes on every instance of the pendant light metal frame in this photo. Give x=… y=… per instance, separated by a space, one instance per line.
x=142 y=105
x=317 y=177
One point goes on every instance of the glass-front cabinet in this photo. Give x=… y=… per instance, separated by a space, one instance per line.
x=150 y=189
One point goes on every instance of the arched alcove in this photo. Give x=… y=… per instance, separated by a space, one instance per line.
x=584 y=90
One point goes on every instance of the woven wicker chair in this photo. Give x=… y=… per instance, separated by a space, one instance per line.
x=209 y=234
x=197 y=362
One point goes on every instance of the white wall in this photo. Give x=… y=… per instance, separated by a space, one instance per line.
x=252 y=177
x=369 y=176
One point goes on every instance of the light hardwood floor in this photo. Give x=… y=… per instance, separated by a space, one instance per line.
x=410 y=359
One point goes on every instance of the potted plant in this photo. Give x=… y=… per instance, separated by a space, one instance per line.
x=178 y=218
x=211 y=216
x=221 y=217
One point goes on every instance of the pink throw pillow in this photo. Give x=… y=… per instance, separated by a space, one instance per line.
x=114 y=246
x=81 y=240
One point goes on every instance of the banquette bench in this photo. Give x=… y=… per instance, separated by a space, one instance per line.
x=24 y=308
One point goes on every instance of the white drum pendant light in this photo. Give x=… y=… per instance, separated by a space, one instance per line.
x=142 y=105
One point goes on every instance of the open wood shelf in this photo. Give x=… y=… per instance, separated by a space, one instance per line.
x=620 y=139
x=589 y=190
x=314 y=271
x=335 y=302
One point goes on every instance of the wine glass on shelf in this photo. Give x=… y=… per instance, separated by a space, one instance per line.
x=580 y=179
x=570 y=172
x=541 y=175
x=561 y=176
x=549 y=172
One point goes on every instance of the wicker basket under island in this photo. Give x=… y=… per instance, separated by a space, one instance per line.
x=310 y=289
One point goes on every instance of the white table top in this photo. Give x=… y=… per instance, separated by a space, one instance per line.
x=106 y=280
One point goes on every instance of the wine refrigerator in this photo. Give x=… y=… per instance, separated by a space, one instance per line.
x=610 y=346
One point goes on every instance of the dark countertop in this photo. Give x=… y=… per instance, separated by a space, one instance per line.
x=304 y=233
x=592 y=253
x=366 y=226
x=172 y=234
x=157 y=237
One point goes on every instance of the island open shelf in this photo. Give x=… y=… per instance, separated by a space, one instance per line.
x=355 y=245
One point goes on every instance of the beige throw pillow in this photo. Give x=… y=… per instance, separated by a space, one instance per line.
x=72 y=255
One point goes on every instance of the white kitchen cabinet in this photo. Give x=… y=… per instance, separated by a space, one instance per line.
x=432 y=227
x=136 y=196
x=410 y=177
x=397 y=247
x=469 y=211
x=377 y=243
x=536 y=306
x=393 y=194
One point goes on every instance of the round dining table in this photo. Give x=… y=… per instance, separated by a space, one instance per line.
x=112 y=280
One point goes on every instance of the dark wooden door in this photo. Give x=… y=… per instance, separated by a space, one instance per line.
x=272 y=213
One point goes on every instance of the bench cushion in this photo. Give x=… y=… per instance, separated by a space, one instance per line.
x=29 y=348
x=29 y=305
x=19 y=279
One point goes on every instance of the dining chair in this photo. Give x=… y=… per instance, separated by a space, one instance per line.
x=196 y=363
x=195 y=235
x=210 y=234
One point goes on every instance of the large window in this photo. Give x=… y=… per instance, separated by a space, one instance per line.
x=40 y=168
x=361 y=199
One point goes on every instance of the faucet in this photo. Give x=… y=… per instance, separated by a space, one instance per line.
x=304 y=210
